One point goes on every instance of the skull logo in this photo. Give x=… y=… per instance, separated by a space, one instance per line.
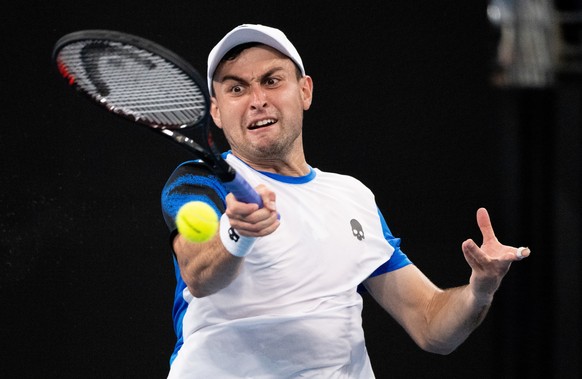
x=357 y=229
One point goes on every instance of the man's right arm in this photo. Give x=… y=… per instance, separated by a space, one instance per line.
x=209 y=267
x=205 y=267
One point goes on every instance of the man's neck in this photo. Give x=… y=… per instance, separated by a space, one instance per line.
x=291 y=166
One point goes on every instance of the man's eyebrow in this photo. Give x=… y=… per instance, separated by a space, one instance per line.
x=271 y=72
x=233 y=78
x=241 y=80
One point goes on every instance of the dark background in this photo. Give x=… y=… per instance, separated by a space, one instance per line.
x=403 y=101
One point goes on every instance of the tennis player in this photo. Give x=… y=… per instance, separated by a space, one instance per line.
x=275 y=294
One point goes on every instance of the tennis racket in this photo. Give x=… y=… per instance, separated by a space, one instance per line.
x=142 y=81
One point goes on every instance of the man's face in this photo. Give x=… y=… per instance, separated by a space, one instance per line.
x=259 y=104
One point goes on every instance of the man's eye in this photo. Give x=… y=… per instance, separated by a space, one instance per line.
x=271 y=81
x=236 y=89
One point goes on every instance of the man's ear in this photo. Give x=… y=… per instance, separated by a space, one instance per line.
x=307 y=91
x=215 y=112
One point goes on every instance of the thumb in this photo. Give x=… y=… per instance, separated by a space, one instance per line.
x=268 y=197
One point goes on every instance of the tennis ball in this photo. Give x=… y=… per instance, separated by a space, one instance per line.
x=197 y=221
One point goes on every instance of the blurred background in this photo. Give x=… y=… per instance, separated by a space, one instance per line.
x=439 y=107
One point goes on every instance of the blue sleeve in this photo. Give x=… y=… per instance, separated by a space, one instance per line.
x=398 y=258
x=191 y=181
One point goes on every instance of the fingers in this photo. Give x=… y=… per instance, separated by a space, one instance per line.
x=485 y=226
x=484 y=223
x=470 y=250
x=475 y=256
x=267 y=196
x=522 y=252
x=249 y=219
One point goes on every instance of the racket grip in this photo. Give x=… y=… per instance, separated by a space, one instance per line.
x=243 y=191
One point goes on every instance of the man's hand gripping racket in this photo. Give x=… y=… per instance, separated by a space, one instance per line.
x=144 y=82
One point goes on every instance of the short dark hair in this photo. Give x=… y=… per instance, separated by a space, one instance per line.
x=237 y=50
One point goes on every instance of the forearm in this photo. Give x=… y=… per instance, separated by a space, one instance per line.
x=205 y=267
x=452 y=315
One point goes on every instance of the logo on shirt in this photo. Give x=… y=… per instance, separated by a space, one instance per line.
x=357 y=229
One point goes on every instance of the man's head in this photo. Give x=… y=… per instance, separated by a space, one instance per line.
x=259 y=94
x=251 y=33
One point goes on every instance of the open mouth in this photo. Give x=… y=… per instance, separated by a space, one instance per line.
x=262 y=124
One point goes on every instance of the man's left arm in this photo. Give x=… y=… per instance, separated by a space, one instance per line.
x=440 y=320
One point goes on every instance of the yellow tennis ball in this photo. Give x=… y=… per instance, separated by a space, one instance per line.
x=197 y=221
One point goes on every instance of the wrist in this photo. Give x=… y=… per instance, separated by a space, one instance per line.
x=480 y=296
x=234 y=243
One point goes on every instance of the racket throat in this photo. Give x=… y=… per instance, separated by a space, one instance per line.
x=221 y=168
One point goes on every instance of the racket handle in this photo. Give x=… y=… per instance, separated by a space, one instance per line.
x=243 y=191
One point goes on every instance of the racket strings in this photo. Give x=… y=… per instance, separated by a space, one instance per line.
x=133 y=82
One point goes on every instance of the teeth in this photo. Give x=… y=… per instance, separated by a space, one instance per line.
x=264 y=122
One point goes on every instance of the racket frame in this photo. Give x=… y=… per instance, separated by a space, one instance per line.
x=208 y=154
x=206 y=151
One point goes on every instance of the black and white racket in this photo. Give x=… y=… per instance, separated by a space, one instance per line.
x=147 y=83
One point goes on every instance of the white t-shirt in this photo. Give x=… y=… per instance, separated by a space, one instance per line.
x=294 y=310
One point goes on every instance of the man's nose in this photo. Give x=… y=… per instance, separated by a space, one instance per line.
x=258 y=96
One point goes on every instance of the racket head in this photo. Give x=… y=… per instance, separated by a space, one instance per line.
x=134 y=78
